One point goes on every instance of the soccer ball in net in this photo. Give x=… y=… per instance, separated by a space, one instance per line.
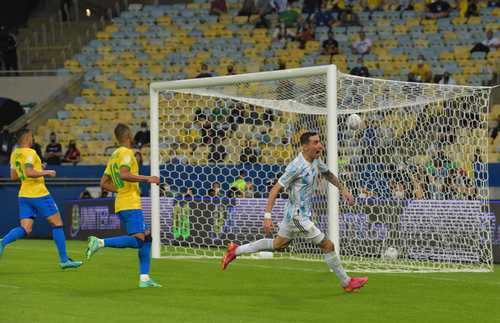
x=391 y=253
x=354 y=121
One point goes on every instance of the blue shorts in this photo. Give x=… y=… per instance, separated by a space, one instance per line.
x=32 y=207
x=133 y=221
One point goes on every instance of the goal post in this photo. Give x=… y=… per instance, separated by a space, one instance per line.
x=156 y=87
x=417 y=167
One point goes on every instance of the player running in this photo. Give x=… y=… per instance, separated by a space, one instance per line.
x=122 y=176
x=34 y=198
x=300 y=179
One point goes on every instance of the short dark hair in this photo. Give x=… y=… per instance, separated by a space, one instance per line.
x=21 y=133
x=304 y=138
x=120 y=131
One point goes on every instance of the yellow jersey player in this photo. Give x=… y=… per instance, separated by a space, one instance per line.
x=34 y=198
x=122 y=176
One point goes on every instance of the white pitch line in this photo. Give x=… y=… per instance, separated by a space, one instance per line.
x=451 y=279
x=423 y=276
x=9 y=286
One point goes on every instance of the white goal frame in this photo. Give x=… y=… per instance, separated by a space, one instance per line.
x=332 y=142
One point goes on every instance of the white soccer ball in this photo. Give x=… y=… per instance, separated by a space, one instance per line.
x=391 y=253
x=354 y=121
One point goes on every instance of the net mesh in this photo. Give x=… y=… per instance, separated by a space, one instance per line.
x=417 y=167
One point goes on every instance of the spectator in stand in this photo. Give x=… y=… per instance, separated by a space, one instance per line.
x=330 y=45
x=495 y=130
x=248 y=8
x=166 y=191
x=324 y=17
x=306 y=34
x=5 y=146
x=438 y=9
x=363 y=45
x=310 y=7
x=230 y=70
x=214 y=191
x=204 y=71
x=348 y=17
x=487 y=45
x=283 y=33
x=250 y=154
x=189 y=195
x=143 y=136
x=218 y=7
x=421 y=71
x=289 y=17
x=53 y=151
x=447 y=79
x=360 y=69
x=8 y=49
x=249 y=191
x=72 y=154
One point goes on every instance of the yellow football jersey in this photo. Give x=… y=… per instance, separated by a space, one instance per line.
x=128 y=195
x=30 y=187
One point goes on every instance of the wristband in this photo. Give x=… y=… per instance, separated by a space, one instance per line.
x=267 y=215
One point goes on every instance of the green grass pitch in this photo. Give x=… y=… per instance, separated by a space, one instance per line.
x=34 y=289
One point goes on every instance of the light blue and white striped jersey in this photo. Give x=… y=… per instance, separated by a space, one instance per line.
x=300 y=180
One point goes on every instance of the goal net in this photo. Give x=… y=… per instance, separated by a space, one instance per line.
x=417 y=167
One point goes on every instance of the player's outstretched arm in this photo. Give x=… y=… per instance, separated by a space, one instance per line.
x=273 y=195
x=107 y=184
x=127 y=176
x=346 y=194
x=30 y=172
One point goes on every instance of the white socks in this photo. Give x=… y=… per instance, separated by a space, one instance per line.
x=259 y=245
x=333 y=261
x=144 y=278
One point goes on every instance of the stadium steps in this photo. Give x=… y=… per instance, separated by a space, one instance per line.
x=35 y=54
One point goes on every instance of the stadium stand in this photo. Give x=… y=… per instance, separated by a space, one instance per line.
x=170 y=42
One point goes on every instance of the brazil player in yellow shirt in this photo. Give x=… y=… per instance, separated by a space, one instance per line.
x=122 y=176
x=34 y=198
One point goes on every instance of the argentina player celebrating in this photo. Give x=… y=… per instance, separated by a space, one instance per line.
x=299 y=180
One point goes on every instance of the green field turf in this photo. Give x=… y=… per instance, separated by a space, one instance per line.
x=34 y=289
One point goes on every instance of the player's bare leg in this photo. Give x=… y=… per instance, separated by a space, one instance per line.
x=332 y=260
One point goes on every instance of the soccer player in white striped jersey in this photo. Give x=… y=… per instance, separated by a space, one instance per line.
x=300 y=179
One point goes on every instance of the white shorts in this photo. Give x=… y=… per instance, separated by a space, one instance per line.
x=301 y=227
